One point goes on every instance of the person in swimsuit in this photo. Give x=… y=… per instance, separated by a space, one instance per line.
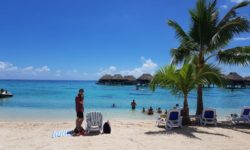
x=79 y=100
x=133 y=104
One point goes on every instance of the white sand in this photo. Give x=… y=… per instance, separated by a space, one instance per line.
x=127 y=135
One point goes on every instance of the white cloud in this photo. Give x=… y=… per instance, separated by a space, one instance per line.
x=224 y=6
x=13 y=68
x=148 y=66
x=110 y=70
x=238 y=1
x=8 y=70
x=11 y=71
x=58 y=73
x=43 y=69
x=29 y=68
x=242 y=39
x=5 y=66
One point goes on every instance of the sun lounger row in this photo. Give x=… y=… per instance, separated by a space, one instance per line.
x=174 y=119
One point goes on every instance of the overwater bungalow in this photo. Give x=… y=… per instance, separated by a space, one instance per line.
x=106 y=79
x=247 y=80
x=129 y=80
x=144 y=79
x=234 y=80
x=117 y=79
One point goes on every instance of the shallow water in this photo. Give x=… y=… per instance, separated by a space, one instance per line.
x=54 y=100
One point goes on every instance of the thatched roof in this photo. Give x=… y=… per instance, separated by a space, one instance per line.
x=234 y=76
x=145 y=77
x=247 y=78
x=129 y=78
x=117 y=77
x=106 y=77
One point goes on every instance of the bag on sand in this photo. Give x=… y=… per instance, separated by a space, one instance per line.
x=106 y=128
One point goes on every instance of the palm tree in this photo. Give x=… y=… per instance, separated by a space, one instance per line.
x=182 y=81
x=208 y=35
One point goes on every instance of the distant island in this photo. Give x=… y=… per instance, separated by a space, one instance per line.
x=118 y=79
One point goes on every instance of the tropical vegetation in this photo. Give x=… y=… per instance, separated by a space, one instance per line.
x=183 y=80
x=208 y=37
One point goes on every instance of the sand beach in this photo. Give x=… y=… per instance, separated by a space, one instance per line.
x=126 y=134
x=184 y=64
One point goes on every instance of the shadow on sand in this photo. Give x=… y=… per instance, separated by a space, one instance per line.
x=86 y=134
x=193 y=131
x=242 y=127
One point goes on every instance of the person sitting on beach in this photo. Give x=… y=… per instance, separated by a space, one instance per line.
x=143 y=110
x=150 y=111
x=176 y=106
x=79 y=100
x=133 y=104
x=159 y=110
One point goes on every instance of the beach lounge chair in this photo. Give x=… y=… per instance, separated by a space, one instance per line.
x=244 y=116
x=161 y=121
x=174 y=119
x=208 y=117
x=94 y=121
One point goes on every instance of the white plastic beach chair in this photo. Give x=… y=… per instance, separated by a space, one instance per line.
x=174 y=119
x=94 y=121
x=208 y=117
x=161 y=121
x=244 y=116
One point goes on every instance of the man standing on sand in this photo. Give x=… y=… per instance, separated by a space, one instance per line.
x=79 y=100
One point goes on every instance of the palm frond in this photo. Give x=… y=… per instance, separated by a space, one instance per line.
x=230 y=29
x=232 y=13
x=185 y=79
x=180 y=33
x=184 y=52
x=237 y=55
x=204 y=19
x=211 y=74
x=179 y=55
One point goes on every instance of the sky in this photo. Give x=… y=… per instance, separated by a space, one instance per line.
x=85 y=39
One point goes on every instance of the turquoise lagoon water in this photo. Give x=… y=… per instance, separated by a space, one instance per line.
x=54 y=100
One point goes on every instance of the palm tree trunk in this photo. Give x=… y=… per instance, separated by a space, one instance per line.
x=200 y=65
x=185 y=112
x=199 y=100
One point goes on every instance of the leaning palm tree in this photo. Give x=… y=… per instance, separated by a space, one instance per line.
x=182 y=81
x=207 y=37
